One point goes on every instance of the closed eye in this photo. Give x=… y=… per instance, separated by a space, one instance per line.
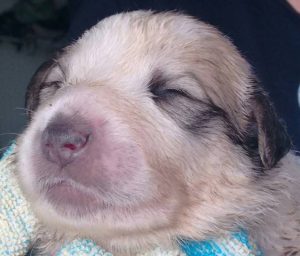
x=158 y=92
x=48 y=89
x=53 y=84
x=164 y=87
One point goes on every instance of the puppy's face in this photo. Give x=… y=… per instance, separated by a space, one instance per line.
x=148 y=124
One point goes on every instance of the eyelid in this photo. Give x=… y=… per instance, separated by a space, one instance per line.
x=160 y=92
x=55 y=84
x=186 y=85
x=180 y=91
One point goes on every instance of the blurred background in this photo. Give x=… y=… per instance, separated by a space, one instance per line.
x=30 y=31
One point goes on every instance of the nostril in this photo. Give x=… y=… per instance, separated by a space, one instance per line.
x=74 y=142
x=70 y=146
x=63 y=141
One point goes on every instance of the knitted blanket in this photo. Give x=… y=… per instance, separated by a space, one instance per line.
x=17 y=227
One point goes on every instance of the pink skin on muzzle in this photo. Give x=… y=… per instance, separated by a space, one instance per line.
x=83 y=164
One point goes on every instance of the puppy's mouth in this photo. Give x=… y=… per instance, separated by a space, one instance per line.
x=64 y=195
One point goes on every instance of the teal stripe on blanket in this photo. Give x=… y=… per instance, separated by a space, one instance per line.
x=236 y=244
x=7 y=152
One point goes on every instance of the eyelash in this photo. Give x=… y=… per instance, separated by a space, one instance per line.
x=162 y=93
x=56 y=84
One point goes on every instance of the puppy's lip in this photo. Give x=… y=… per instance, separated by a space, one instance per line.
x=64 y=194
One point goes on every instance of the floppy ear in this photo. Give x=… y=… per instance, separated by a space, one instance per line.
x=249 y=111
x=36 y=84
x=273 y=140
x=228 y=80
x=45 y=81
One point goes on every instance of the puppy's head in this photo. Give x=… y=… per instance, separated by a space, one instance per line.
x=149 y=124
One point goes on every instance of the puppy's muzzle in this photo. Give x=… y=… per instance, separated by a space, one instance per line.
x=63 y=140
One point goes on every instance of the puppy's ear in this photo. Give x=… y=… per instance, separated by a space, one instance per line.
x=45 y=81
x=230 y=84
x=273 y=140
x=36 y=84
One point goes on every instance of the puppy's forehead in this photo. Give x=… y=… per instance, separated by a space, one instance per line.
x=131 y=46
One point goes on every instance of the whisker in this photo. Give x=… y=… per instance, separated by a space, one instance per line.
x=24 y=109
x=10 y=133
x=4 y=148
x=23 y=114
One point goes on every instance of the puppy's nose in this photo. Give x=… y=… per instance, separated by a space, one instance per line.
x=63 y=141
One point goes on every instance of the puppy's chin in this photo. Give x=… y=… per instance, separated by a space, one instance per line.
x=71 y=210
x=69 y=200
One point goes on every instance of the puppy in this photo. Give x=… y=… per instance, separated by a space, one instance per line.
x=152 y=128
